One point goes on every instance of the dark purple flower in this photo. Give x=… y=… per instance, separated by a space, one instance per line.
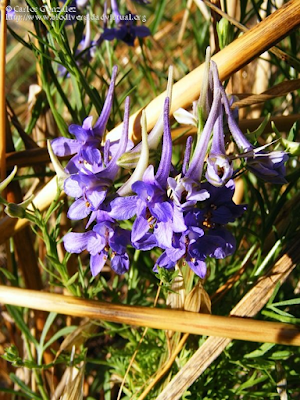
x=142 y=1
x=125 y=30
x=268 y=166
x=219 y=209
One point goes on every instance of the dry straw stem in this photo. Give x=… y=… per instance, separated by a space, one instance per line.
x=3 y=4
x=277 y=52
x=249 y=306
x=181 y=321
x=233 y=57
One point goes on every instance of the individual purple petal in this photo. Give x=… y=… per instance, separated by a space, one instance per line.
x=95 y=244
x=142 y=31
x=109 y=33
x=162 y=211
x=91 y=155
x=147 y=242
x=175 y=254
x=119 y=240
x=72 y=186
x=65 y=147
x=87 y=123
x=178 y=220
x=76 y=242
x=164 y=262
x=79 y=210
x=223 y=249
x=143 y=190
x=97 y=262
x=81 y=134
x=148 y=176
x=139 y=229
x=123 y=208
x=96 y=196
x=163 y=232
x=199 y=267
x=120 y=263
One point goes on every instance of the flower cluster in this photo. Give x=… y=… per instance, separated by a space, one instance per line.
x=185 y=212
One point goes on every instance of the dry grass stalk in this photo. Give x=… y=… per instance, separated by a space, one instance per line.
x=249 y=306
x=181 y=321
x=279 y=90
x=276 y=51
x=184 y=21
x=3 y=4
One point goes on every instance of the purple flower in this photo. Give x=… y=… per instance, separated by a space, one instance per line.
x=142 y=1
x=151 y=205
x=88 y=137
x=217 y=210
x=125 y=30
x=219 y=168
x=89 y=188
x=106 y=237
x=204 y=235
x=267 y=166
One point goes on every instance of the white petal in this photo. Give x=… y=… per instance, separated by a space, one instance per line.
x=184 y=117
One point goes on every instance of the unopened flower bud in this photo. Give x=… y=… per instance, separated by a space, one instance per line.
x=15 y=211
x=225 y=32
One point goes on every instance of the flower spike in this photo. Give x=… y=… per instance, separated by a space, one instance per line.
x=164 y=168
x=219 y=168
x=142 y=163
x=101 y=123
x=129 y=160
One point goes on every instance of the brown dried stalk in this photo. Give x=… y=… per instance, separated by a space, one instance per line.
x=3 y=4
x=249 y=306
x=180 y=321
